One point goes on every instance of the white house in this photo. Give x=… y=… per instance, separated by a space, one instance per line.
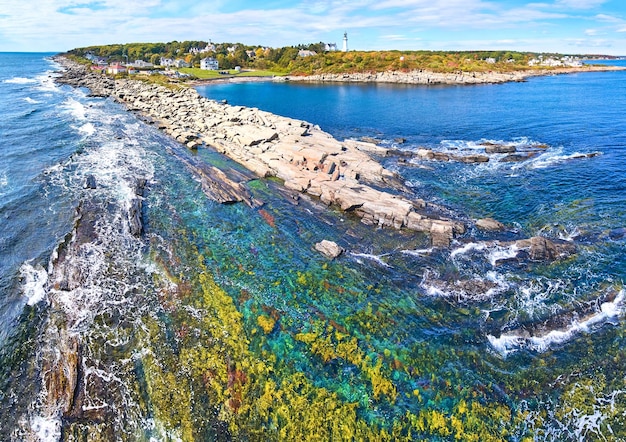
x=116 y=68
x=330 y=47
x=180 y=63
x=142 y=64
x=306 y=53
x=167 y=62
x=209 y=64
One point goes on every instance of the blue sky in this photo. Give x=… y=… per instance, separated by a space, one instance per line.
x=565 y=26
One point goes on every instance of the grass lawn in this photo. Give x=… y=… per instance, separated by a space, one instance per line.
x=202 y=74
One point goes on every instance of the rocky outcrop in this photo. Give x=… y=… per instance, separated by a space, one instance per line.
x=420 y=76
x=307 y=159
x=543 y=249
x=426 y=77
x=489 y=224
x=329 y=249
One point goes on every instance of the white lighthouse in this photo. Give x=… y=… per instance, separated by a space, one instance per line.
x=345 y=42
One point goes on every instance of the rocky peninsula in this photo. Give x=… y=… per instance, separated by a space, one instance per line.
x=305 y=158
x=308 y=160
x=426 y=77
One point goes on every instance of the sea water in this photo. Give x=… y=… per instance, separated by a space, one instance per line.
x=226 y=313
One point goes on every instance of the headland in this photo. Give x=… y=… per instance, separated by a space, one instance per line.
x=341 y=174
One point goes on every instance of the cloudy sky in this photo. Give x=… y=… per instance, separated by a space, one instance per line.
x=565 y=26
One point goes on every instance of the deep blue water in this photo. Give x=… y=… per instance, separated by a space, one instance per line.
x=390 y=290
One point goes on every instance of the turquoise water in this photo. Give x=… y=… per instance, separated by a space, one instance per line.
x=222 y=322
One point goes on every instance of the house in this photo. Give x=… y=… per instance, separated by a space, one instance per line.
x=142 y=64
x=116 y=68
x=330 y=47
x=305 y=53
x=180 y=63
x=167 y=62
x=209 y=48
x=251 y=54
x=209 y=64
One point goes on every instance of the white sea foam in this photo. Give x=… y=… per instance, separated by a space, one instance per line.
x=47 y=429
x=418 y=252
x=510 y=342
x=31 y=101
x=20 y=80
x=376 y=258
x=87 y=129
x=75 y=108
x=46 y=82
x=467 y=248
x=501 y=253
x=553 y=157
x=34 y=283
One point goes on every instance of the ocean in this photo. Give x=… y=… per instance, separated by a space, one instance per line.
x=222 y=322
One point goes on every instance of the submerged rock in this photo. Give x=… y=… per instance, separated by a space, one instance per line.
x=329 y=249
x=498 y=148
x=90 y=182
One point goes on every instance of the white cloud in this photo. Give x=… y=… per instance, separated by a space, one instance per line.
x=591 y=32
x=43 y=25
x=580 y=4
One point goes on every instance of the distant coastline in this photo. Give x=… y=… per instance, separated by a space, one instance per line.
x=417 y=77
x=456 y=78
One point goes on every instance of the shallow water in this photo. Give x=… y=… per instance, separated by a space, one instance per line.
x=222 y=322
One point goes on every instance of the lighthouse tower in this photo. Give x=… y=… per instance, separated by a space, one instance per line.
x=345 y=42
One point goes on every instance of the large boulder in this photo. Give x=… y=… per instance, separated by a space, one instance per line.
x=329 y=249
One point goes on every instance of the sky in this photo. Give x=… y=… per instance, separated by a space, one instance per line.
x=563 y=26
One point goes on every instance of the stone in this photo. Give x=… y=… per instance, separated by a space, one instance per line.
x=514 y=158
x=329 y=249
x=441 y=233
x=543 y=249
x=472 y=158
x=499 y=148
x=90 y=182
x=489 y=224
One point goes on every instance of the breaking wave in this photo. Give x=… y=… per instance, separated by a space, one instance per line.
x=510 y=342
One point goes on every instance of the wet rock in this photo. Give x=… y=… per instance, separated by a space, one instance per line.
x=329 y=249
x=90 y=182
x=514 y=158
x=498 y=148
x=60 y=363
x=616 y=234
x=475 y=158
x=135 y=217
x=489 y=224
x=543 y=249
x=371 y=140
x=441 y=234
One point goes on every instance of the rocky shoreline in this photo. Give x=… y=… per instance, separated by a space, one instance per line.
x=426 y=77
x=306 y=159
